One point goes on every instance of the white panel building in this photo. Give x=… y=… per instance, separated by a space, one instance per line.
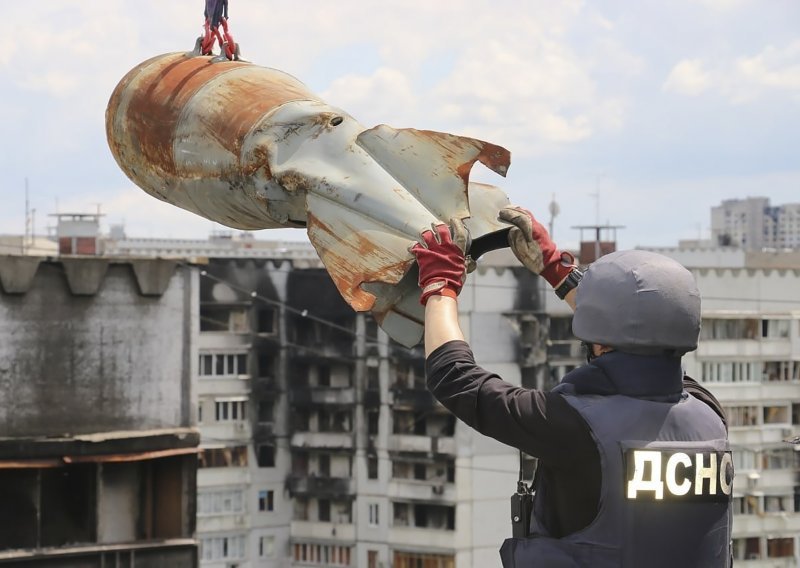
x=749 y=357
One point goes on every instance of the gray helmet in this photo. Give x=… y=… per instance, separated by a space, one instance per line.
x=638 y=302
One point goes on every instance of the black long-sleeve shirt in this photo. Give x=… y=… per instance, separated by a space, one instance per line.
x=541 y=424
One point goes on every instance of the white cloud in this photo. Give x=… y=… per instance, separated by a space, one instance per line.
x=744 y=79
x=688 y=77
x=773 y=67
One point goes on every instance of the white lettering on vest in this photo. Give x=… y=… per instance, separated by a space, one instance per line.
x=725 y=465
x=638 y=483
x=673 y=486
x=701 y=472
x=678 y=474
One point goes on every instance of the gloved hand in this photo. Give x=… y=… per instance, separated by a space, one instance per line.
x=534 y=248
x=440 y=257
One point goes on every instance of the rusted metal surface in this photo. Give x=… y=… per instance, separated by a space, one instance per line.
x=252 y=148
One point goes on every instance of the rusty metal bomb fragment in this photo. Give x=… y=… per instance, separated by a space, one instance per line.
x=253 y=148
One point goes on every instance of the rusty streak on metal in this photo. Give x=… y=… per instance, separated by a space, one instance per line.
x=348 y=273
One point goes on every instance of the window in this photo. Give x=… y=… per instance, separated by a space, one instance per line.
x=217 y=365
x=373 y=514
x=729 y=329
x=324 y=462
x=747 y=505
x=778 y=458
x=223 y=547
x=200 y=413
x=373 y=378
x=372 y=559
x=372 y=423
x=265 y=410
x=220 y=502
x=730 y=372
x=266 y=546
x=372 y=467
x=415 y=559
x=781 y=371
x=776 y=415
x=777 y=503
x=327 y=555
x=324 y=510
x=741 y=415
x=230 y=410
x=780 y=547
x=266 y=455
x=775 y=328
x=747 y=548
x=218 y=318
x=438 y=517
x=266 y=500
x=235 y=456
x=265 y=320
x=743 y=459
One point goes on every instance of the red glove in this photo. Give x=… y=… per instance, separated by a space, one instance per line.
x=534 y=248
x=441 y=260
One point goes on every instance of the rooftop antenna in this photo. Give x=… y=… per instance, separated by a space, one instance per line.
x=596 y=196
x=27 y=219
x=554 y=211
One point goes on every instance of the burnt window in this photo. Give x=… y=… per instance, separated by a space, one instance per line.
x=372 y=467
x=265 y=320
x=372 y=423
x=266 y=455
x=265 y=410
x=324 y=510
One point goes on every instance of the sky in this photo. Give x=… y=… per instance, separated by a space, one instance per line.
x=643 y=114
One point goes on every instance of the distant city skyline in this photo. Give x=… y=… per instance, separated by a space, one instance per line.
x=591 y=98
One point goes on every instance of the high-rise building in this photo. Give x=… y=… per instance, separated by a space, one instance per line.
x=749 y=357
x=753 y=224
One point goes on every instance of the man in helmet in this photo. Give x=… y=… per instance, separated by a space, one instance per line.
x=633 y=462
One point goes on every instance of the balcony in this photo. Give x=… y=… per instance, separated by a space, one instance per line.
x=325 y=532
x=777 y=349
x=334 y=440
x=228 y=431
x=441 y=540
x=422 y=444
x=415 y=490
x=322 y=396
x=321 y=486
x=774 y=524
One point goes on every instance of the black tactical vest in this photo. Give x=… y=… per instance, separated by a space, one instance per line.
x=665 y=498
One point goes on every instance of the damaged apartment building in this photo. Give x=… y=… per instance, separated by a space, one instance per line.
x=321 y=444
x=98 y=454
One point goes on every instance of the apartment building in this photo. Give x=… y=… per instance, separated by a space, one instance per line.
x=754 y=224
x=321 y=444
x=749 y=357
x=98 y=450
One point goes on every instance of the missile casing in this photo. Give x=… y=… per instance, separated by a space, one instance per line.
x=252 y=148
